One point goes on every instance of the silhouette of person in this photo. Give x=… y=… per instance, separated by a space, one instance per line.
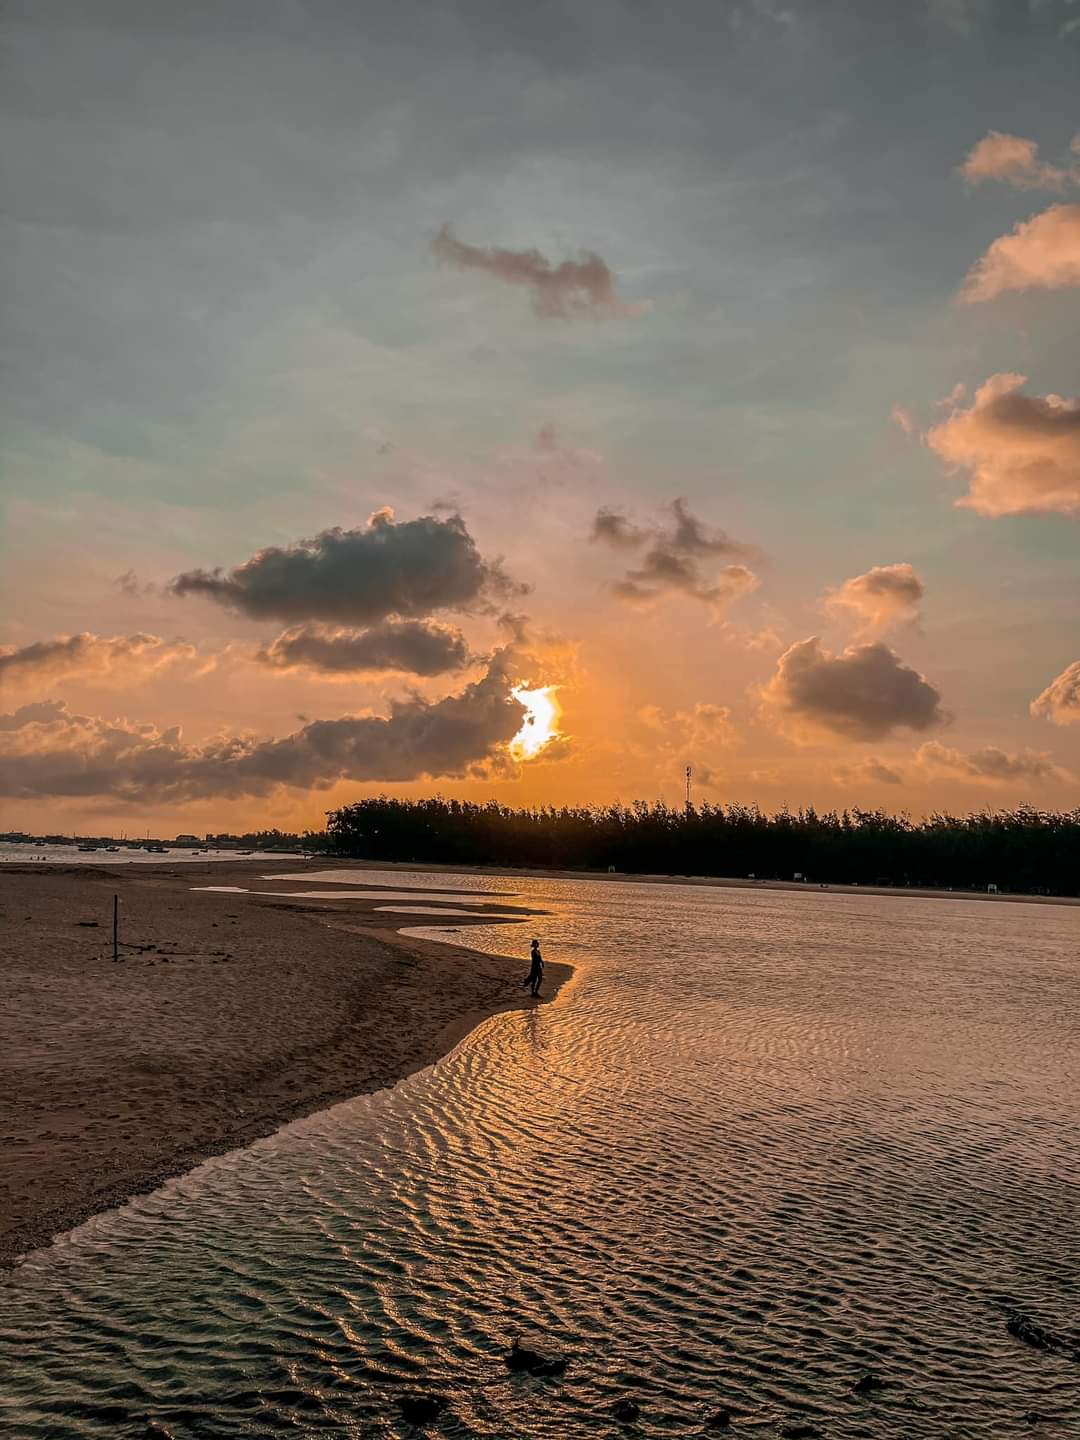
x=535 y=977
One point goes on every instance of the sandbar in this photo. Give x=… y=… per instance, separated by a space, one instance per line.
x=228 y=1015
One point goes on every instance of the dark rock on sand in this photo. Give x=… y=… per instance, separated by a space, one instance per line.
x=718 y=1419
x=800 y=1432
x=626 y=1410
x=868 y=1384
x=421 y=1409
x=555 y=1365
x=521 y=1358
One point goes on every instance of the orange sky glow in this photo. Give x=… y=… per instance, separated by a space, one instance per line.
x=412 y=419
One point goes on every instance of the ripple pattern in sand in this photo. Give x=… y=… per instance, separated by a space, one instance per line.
x=765 y=1143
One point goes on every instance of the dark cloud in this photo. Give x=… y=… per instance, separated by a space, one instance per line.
x=95 y=656
x=883 y=773
x=359 y=577
x=863 y=694
x=569 y=290
x=673 y=558
x=988 y=763
x=868 y=772
x=613 y=528
x=128 y=584
x=515 y=626
x=1060 y=701
x=46 y=750
x=415 y=647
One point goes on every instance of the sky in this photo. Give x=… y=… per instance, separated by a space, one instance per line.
x=711 y=367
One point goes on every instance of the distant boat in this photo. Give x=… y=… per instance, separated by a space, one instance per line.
x=112 y=848
x=89 y=847
x=247 y=852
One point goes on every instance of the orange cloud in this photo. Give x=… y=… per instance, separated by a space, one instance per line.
x=1015 y=161
x=1022 y=451
x=1060 y=701
x=570 y=290
x=87 y=656
x=678 y=738
x=885 y=596
x=1041 y=253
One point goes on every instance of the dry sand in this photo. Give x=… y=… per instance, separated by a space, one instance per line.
x=230 y=1015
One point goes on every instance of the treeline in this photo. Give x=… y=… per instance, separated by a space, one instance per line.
x=1023 y=850
x=272 y=840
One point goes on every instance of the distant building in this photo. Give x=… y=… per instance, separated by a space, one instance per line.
x=190 y=841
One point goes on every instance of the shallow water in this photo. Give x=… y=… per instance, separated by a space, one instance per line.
x=763 y=1142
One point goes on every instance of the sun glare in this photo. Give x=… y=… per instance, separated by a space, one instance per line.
x=540 y=724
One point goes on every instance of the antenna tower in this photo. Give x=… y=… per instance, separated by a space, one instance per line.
x=689 y=779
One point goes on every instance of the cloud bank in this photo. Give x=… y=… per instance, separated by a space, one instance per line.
x=1022 y=451
x=865 y=693
x=87 y=656
x=1060 y=701
x=359 y=577
x=1042 y=253
x=46 y=750
x=414 y=647
x=988 y=764
x=573 y=289
x=884 y=596
x=674 y=557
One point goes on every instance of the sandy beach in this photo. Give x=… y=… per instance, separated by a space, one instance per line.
x=229 y=1015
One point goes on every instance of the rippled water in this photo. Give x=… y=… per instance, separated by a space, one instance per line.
x=762 y=1143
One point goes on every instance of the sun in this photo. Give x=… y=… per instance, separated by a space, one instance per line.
x=541 y=722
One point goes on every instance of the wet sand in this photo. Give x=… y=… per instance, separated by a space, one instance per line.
x=228 y=1015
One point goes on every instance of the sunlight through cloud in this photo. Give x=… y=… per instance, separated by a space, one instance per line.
x=541 y=722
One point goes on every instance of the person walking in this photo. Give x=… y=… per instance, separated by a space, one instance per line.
x=535 y=977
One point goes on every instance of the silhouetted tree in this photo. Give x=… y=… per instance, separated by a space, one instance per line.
x=1023 y=850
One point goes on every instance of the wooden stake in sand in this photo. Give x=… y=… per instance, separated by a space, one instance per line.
x=115 y=928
